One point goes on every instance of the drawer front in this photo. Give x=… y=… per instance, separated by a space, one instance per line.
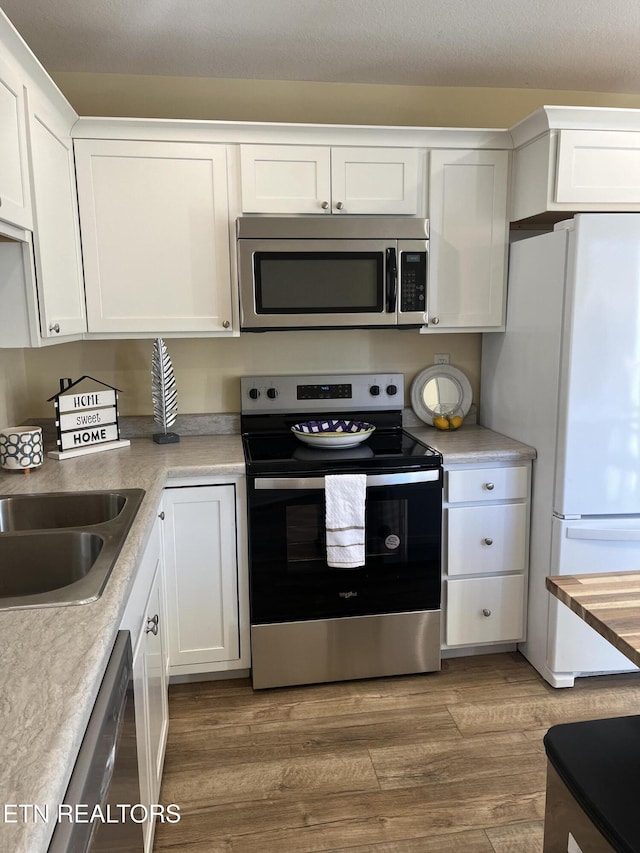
x=486 y=539
x=487 y=484
x=485 y=610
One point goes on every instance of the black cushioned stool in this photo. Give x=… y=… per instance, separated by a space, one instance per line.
x=593 y=787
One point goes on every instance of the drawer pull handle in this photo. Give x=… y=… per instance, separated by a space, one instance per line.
x=152 y=625
x=488 y=541
x=486 y=612
x=489 y=486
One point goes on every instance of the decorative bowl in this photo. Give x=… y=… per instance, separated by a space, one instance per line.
x=332 y=433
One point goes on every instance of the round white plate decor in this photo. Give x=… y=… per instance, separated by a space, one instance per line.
x=332 y=433
x=438 y=389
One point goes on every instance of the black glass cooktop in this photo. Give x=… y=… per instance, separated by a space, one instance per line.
x=282 y=452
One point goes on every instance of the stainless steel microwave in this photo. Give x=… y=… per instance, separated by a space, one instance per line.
x=308 y=272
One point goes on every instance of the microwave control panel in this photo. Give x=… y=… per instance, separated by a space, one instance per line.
x=413 y=281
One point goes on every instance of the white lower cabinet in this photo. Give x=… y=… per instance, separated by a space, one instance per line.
x=206 y=578
x=145 y=617
x=486 y=527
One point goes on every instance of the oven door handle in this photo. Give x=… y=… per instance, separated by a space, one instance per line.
x=300 y=483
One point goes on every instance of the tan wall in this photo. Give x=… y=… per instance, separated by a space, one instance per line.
x=14 y=402
x=207 y=371
x=331 y=103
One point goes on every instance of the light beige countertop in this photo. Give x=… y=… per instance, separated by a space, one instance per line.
x=472 y=444
x=52 y=659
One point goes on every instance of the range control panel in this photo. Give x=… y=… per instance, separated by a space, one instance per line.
x=282 y=394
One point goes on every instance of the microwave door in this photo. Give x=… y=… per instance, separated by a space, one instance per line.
x=312 y=283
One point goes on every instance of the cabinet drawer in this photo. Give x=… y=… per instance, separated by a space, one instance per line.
x=486 y=539
x=485 y=610
x=487 y=484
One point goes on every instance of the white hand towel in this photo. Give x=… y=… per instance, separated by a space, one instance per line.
x=345 y=497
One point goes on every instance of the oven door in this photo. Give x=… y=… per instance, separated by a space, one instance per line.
x=317 y=283
x=289 y=576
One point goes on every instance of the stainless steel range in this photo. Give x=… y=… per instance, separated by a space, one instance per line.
x=310 y=620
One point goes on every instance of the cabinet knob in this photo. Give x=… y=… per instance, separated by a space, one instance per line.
x=54 y=327
x=488 y=541
x=489 y=486
x=325 y=205
x=435 y=321
x=0 y=201
x=486 y=612
x=152 y=625
x=225 y=324
x=161 y=515
x=339 y=205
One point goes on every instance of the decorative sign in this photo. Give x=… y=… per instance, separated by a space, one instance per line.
x=86 y=417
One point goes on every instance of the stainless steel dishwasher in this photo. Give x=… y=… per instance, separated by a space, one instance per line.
x=106 y=770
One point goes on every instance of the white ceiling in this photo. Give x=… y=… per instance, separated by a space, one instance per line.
x=590 y=45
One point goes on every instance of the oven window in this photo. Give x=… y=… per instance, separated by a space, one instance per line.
x=319 y=282
x=289 y=576
x=386 y=528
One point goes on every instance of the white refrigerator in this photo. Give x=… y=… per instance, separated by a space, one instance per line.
x=565 y=378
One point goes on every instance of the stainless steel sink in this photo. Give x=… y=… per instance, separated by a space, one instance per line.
x=60 y=548
x=61 y=509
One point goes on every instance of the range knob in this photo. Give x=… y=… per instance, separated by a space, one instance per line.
x=374 y=390
x=254 y=393
x=272 y=393
x=392 y=390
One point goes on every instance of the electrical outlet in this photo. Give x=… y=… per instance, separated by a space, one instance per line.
x=441 y=358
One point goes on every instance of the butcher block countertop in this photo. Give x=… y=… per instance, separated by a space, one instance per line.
x=610 y=603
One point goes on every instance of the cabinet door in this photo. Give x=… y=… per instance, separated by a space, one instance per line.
x=468 y=239
x=15 y=203
x=374 y=180
x=285 y=179
x=598 y=166
x=56 y=226
x=158 y=717
x=150 y=695
x=202 y=578
x=155 y=236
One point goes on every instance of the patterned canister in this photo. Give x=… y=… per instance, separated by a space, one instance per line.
x=21 y=448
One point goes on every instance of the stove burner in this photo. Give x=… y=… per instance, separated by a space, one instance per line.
x=311 y=454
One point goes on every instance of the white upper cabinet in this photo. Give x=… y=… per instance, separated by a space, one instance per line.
x=467 y=240
x=15 y=202
x=573 y=159
x=155 y=237
x=292 y=179
x=55 y=214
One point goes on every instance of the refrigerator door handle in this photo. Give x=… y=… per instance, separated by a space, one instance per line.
x=604 y=534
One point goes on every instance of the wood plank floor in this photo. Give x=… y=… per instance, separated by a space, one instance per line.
x=445 y=762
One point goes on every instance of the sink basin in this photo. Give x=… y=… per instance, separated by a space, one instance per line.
x=61 y=509
x=59 y=548
x=46 y=561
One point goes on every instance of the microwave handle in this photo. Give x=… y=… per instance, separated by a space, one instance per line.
x=392 y=280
